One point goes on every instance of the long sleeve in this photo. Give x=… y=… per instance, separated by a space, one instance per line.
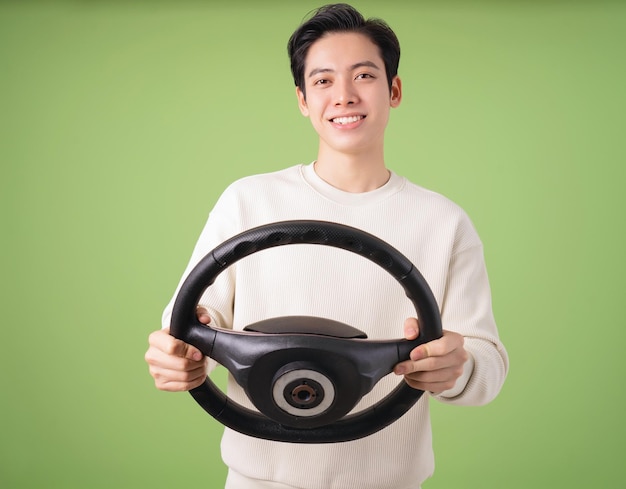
x=222 y=223
x=467 y=310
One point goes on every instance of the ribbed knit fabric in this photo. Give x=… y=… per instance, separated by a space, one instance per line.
x=434 y=233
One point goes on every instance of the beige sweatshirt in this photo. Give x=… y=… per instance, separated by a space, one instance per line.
x=430 y=230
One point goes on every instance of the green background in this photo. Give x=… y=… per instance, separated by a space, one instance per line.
x=120 y=124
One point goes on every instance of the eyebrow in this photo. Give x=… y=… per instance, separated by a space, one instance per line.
x=362 y=64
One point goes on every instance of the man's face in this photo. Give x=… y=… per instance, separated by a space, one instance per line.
x=347 y=93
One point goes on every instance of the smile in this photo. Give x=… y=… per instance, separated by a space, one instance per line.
x=347 y=120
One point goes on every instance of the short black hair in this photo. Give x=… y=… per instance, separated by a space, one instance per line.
x=341 y=17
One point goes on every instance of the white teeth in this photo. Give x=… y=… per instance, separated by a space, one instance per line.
x=347 y=120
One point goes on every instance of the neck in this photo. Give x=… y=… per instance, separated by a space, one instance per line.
x=352 y=174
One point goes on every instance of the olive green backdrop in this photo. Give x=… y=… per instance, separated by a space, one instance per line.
x=120 y=124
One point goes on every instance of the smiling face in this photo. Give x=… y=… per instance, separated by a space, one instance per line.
x=347 y=94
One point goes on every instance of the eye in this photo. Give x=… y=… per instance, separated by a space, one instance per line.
x=321 y=81
x=363 y=76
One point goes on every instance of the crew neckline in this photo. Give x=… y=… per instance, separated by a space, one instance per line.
x=393 y=185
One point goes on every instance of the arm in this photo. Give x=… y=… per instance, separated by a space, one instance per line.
x=468 y=365
x=178 y=366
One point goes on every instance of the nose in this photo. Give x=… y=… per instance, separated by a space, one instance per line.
x=345 y=93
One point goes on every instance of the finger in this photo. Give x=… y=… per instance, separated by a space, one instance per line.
x=203 y=315
x=162 y=340
x=428 y=361
x=174 y=381
x=436 y=380
x=441 y=375
x=161 y=360
x=166 y=375
x=422 y=352
x=432 y=387
x=445 y=345
x=411 y=328
x=424 y=365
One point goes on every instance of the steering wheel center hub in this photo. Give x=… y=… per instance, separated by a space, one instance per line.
x=303 y=392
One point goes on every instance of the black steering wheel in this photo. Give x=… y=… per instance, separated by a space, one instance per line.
x=303 y=374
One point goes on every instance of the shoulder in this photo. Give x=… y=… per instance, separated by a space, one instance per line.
x=432 y=201
x=260 y=197
x=257 y=186
x=263 y=181
x=440 y=214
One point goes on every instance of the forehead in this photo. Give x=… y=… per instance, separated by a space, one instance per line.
x=339 y=50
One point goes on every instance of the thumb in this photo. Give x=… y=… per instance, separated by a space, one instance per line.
x=203 y=315
x=411 y=328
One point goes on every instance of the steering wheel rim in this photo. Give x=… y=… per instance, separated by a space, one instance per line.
x=185 y=326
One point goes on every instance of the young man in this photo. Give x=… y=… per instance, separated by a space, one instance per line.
x=345 y=70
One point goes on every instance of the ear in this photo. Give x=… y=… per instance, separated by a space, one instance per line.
x=302 y=105
x=396 y=92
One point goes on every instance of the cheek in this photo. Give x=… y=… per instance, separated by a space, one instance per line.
x=317 y=125
x=315 y=111
x=314 y=105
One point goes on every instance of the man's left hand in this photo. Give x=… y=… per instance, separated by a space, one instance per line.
x=434 y=366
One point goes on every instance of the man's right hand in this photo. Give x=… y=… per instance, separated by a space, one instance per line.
x=174 y=364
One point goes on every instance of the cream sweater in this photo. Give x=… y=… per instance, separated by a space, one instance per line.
x=430 y=230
